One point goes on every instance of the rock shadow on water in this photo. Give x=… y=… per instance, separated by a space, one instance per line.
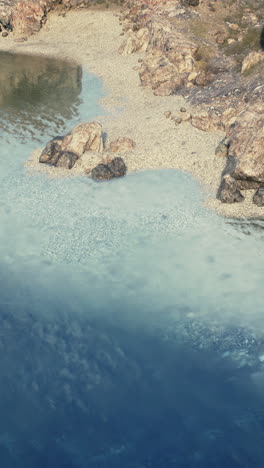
x=37 y=94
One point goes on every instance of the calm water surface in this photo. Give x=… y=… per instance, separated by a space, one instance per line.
x=132 y=328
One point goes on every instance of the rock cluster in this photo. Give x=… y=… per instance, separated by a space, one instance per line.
x=25 y=17
x=219 y=72
x=65 y=151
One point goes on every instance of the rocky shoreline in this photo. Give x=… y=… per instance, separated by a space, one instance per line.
x=226 y=88
x=222 y=94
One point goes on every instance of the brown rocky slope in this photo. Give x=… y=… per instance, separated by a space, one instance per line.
x=212 y=53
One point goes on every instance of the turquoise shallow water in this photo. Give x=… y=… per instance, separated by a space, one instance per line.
x=131 y=317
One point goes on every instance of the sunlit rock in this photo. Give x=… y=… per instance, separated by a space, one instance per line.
x=84 y=137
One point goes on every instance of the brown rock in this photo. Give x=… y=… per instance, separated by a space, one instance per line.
x=84 y=137
x=28 y=16
x=122 y=145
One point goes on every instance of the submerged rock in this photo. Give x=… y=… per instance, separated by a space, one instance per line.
x=115 y=168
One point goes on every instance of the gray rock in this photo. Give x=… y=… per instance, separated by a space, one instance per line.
x=66 y=159
x=51 y=151
x=116 y=168
x=258 y=198
x=229 y=192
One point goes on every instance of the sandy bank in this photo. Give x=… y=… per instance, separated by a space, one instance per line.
x=92 y=37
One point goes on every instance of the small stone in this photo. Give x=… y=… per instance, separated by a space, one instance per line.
x=182 y=109
x=4 y=34
x=186 y=116
x=258 y=199
x=192 y=76
x=178 y=121
x=167 y=114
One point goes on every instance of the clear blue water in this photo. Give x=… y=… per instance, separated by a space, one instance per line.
x=132 y=329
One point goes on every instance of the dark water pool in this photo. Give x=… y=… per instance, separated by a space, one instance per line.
x=132 y=330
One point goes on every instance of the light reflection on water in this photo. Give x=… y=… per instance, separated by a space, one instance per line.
x=40 y=95
x=131 y=318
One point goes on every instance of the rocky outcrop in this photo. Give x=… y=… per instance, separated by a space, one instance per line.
x=65 y=151
x=84 y=137
x=25 y=17
x=219 y=71
x=28 y=16
x=245 y=156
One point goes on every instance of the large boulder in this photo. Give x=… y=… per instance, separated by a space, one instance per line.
x=84 y=137
x=65 y=151
x=111 y=170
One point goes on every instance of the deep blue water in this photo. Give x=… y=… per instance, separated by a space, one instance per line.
x=132 y=331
